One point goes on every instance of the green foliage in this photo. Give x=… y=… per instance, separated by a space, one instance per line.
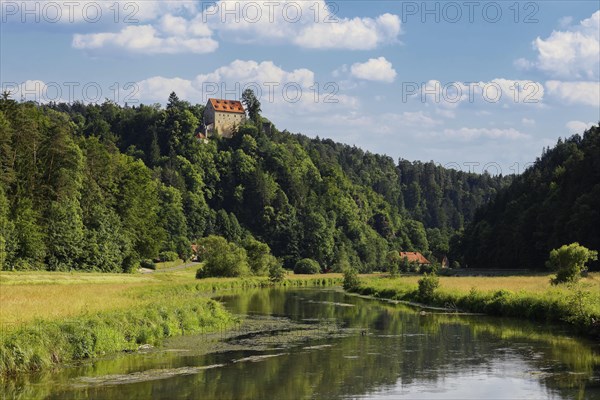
x=276 y=271
x=428 y=285
x=260 y=258
x=100 y=187
x=30 y=243
x=569 y=261
x=351 y=279
x=580 y=302
x=574 y=304
x=222 y=258
x=172 y=217
x=36 y=347
x=393 y=260
x=433 y=268
x=6 y=230
x=147 y=263
x=65 y=236
x=166 y=256
x=307 y=266
x=404 y=265
x=552 y=203
x=252 y=105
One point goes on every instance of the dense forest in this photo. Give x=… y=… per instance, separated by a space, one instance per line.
x=554 y=202
x=103 y=187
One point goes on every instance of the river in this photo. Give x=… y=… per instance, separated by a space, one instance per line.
x=324 y=344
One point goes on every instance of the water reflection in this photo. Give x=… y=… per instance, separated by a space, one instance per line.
x=386 y=351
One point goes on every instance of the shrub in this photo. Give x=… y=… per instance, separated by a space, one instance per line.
x=414 y=267
x=430 y=269
x=168 y=256
x=404 y=265
x=307 y=266
x=392 y=260
x=276 y=271
x=259 y=256
x=223 y=259
x=148 y=264
x=130 y=263
x=351 y=279
x=569 y=262
x=427 y=286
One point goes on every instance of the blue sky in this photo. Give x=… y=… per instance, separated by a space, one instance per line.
x=466 y=84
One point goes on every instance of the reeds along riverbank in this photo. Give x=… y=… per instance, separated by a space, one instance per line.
x=153 y=313
x=41 y=344
x=576 y=305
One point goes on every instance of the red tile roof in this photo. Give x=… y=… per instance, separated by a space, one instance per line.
x=232 y=106
x=414 y=257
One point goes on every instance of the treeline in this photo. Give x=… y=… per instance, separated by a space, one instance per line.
x=102 y=187
x=555 y=202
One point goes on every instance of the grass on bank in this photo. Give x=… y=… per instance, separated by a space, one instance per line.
x=531 y=297
x=49 y=318
x=169 y=264
x=26 y=296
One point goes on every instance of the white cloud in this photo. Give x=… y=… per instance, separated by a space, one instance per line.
x=292 y=92
x=523 y=64
x=185 y=29
x=307 y=24
x=95 y=12
x=376 y=69
x=158 y=88
x=265 y=72
x=352 y=34
x=528 y=121
x=497 y=91
x=445 y=113
x=585 y=93
x=565 y=22
x=579 y=126
x=468 y=134
x=417 y=119
x=572 y=53
x=172 y=37
x=35 y=90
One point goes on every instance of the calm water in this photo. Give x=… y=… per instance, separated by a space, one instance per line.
x=383 y=351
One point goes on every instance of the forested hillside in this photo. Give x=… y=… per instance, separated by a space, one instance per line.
x=555 y=202
x=101 y=187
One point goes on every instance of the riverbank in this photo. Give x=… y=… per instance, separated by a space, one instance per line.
x=52 y=318
x=529 y=297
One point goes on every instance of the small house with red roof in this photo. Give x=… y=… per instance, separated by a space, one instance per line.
x=414 y=256
x=222 y=117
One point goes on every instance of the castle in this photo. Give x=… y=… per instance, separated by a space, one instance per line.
x=222 y=117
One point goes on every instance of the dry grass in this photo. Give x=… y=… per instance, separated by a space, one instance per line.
x=66 y=278
x=169 y=264
x=516 y=296
x=23 y=303
x=532 y=283
x=26 y=296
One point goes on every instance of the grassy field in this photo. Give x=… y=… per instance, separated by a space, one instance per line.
x=529 y=283
x=531 y=297
x=169 y=264
x=27 y=296
x=49 y=318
